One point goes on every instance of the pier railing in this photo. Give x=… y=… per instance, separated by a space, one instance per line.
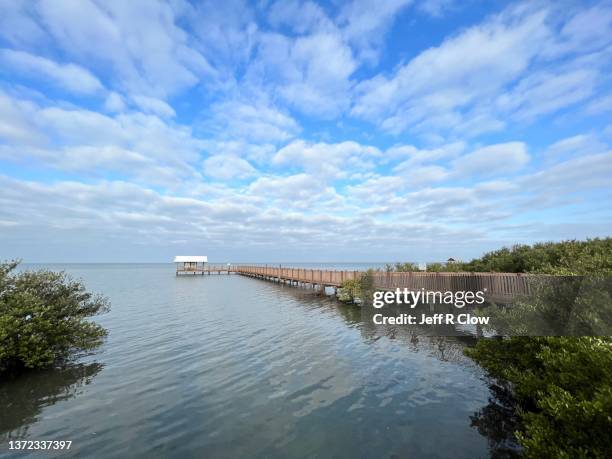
x=204 y=269
x=496 y=286
x=313 y=276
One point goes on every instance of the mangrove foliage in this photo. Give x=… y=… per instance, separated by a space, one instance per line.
x=44 y=318
x=562 y=385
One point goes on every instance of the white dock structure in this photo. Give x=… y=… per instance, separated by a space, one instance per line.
x=190 y=264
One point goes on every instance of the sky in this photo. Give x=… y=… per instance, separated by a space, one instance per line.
x=271 y=131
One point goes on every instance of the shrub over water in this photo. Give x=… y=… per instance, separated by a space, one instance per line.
x=43 y=318
x=361 y=288
x=562 y=385
x=560 y=258
x=593 y=256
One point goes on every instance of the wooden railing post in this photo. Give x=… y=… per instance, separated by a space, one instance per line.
x=497 y=285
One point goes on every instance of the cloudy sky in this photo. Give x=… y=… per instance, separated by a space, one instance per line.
x=301 y=131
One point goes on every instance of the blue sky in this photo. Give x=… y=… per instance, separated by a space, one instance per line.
x=301 y=131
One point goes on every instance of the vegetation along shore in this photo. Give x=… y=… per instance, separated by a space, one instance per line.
x=554 y=386
x=559 y=387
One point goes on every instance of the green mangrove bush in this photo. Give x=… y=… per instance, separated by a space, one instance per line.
x=557 y=306
x=360 y=289
x=401 y=267
x=563 y=388
x=44 y=318
x=562 y=385
x=593 y=256
x=561 y=258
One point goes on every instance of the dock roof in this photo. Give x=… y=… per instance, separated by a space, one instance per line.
x=191 y=259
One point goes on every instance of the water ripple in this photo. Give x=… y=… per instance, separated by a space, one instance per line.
x=227 y=366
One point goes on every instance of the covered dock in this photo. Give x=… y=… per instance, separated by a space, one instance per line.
x=190 y=264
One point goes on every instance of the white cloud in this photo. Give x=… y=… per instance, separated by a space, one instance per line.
x=78 y=139
x=96 y=161
x=462 y=70
x=71 y=77
x=255 y=122
x=153 y=105
x=528 y=61
x=503 y=158
x=378 y=189
x=252 y=172
x=311 y=73
x=291 y=187
x=412 y=156
x=330 y=161
x=578 y=145
x=16 y=121
x=301 y=16
x=226 y=32
x=116 y=207
x=298 y=209
x=427 y=167
x=547 y=92
x=577 y=175
x=423 y=175
x=364 y=24
x=435 y=8
x=299 y=191
x=600 y=105
x=16 y=24
x=257 y=153
x=137 y=44
x=228 y=167
x=114 y=102
x=586 y=30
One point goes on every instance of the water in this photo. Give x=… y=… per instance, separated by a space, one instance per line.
x=228 y=366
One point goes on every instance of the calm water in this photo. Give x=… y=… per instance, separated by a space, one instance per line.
x=228 y=366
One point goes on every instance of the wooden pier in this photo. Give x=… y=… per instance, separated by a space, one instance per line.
x=204 y=269
x=497 y=287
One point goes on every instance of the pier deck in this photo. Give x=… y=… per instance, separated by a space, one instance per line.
x=202 y=270
x=498 y=287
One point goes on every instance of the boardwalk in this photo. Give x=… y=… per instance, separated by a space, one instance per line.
x=204 y=269
x=498 y=287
